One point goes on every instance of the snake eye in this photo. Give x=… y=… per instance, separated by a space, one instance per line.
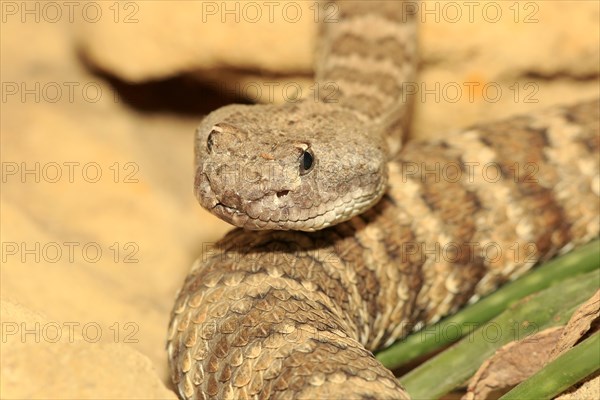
x=307 y=161
x=210 y=141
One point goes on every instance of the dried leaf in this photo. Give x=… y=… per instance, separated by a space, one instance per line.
x=578 y=325
x=517 y=361
x=512 y=364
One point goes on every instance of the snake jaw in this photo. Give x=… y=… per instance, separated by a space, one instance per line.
x=230 y=214
x=280 y=204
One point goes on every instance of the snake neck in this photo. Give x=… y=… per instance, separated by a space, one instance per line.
x=366 y=61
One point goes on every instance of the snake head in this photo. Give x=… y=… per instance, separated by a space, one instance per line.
x=290 y=167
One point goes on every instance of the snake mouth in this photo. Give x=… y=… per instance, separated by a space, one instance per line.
x=244 y=215
x=222 y=208
x=331 y=215
x=241 y=219
x=230 y=214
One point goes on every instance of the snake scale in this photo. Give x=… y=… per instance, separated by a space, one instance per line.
x=295 y=315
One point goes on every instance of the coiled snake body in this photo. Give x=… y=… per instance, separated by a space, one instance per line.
x=295 y=315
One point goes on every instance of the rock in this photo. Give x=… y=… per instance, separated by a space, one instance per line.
x=512 y=58
x=589 y=390
x=80 y=371
x=47 y=362
x=104 y=226
x=152 y=40
x=487 y=38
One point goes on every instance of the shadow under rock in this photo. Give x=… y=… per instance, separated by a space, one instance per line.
x=180 y=94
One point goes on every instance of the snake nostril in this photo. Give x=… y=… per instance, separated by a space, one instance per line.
x=282 y=193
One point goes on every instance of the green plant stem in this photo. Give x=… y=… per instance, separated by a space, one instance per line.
x=582 y=260
x=562 y=373
x=550 y=307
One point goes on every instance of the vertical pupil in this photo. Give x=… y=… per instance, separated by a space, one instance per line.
x=307 y=160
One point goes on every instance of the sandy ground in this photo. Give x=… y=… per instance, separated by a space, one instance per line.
x=99 y=104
